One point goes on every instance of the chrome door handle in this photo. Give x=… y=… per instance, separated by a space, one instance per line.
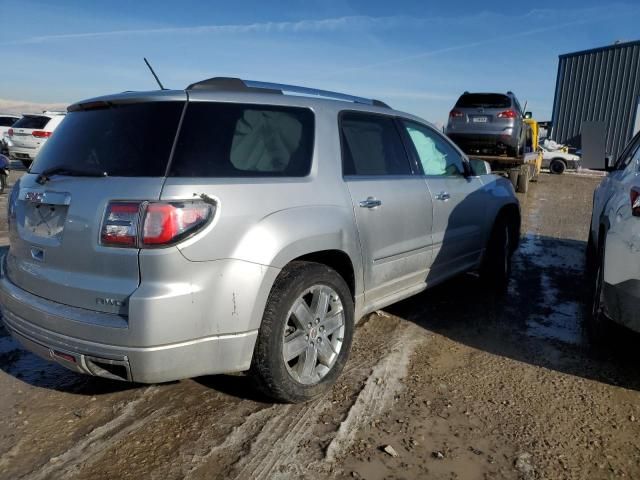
x=444 y=196
x=370 y=202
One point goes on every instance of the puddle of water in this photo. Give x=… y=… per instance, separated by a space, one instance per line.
x=560 y=318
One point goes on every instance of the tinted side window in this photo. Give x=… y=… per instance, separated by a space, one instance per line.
x=435 y=153
x=36 y=122
x=237 y=140
x=371 y=145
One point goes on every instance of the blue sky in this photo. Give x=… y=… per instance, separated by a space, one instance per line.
x=417 y=56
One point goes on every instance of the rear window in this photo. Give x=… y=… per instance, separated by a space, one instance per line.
x=483 y=100
x=37 y=122
x=131 y=140
x=238 y=140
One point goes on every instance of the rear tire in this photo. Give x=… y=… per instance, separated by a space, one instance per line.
x=3 y=182
x=306 y=333
x=557 y=166
x=496 y=264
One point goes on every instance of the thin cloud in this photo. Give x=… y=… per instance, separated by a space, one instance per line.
x=465 y=46
x=301 y=26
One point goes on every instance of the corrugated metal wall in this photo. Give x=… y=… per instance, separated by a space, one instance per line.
x=598 y=85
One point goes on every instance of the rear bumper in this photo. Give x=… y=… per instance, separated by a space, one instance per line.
x=486 y=139
x=20 y=153
x=223 y=353
x=168 y=336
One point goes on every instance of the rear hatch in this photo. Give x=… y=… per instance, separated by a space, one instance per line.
x=481 y=111
x=29 y=131
x=108 y=151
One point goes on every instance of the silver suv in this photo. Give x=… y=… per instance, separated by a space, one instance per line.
x=488 y=123
x=614 y=243
x=231 y=227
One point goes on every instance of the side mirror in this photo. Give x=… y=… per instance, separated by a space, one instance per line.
x=479 y=167
x=528 y=115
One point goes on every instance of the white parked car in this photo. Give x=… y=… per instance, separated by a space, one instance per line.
x=556 y=160
x=30 y=133
x=6 y=120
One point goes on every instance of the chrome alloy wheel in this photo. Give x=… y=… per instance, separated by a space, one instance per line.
x=313 y=334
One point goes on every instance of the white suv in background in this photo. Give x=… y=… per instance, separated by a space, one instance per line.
x=6 y=120
x=614 y=246
x=28 y=134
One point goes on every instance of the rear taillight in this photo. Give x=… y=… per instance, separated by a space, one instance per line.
x=120 y=224
x=41 y=134
x=153 y=224
x=635 y=201
x=455 y=114
x=508 y=114
x=10 y=132
x=166 y=223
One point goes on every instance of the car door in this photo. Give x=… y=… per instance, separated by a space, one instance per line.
x=391 y=204
x=459 y=202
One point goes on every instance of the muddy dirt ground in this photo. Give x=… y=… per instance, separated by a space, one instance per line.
x=460 y=384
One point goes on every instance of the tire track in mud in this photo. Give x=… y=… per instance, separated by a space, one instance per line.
x=379 y=392
x=282 y=440
x=98 y=440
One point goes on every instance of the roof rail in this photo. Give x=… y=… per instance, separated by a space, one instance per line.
x=239 y=85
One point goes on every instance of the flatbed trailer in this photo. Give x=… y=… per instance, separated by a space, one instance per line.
x=520 y=170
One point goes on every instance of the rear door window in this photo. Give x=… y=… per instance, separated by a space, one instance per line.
x=371 y=145
x=238 y=140
x=127 y=140
x=483 y=100
x=36 y=122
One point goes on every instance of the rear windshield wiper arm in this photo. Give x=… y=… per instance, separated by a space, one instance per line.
x=46 y=175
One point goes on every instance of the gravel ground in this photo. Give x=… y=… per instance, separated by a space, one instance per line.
x=452 y=383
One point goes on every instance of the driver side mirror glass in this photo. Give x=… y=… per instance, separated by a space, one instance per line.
x=479 y=167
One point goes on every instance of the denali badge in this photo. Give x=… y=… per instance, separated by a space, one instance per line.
x=109 y=301
x=34 y=197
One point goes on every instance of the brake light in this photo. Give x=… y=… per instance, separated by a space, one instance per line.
x=160 y=223
x=508 y=114
x=166 y=223
x=10 y=132
x=41 y=134
x=635 y=201
x=120 y=224
x=455 y=114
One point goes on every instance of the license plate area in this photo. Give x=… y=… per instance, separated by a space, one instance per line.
x=480 y=119
x=45 y=220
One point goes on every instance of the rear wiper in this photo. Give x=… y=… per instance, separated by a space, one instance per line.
x=46 y=175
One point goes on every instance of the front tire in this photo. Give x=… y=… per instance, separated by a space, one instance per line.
x=496 y=265
x=596 y=324
x=306 y=333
